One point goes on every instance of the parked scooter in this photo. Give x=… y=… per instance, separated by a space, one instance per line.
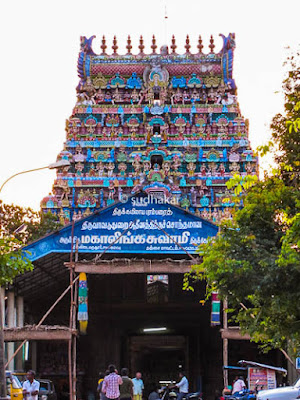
x=169 y=393
x=245 y=394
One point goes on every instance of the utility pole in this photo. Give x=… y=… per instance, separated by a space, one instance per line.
x=2 y=361
x=225 y=343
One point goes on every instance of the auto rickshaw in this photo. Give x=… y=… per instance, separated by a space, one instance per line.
x=14 y=387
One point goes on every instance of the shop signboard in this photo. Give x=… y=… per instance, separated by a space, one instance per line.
x=262 y=378
x=142 y=225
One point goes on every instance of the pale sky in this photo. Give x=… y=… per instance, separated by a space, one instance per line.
x=39 y=49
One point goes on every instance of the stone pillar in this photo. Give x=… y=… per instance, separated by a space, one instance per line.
x=20 y=322
x=11 y=322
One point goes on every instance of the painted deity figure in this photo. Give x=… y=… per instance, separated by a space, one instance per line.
x=117 y=98
x=105 y=131
x=137 y=166
x=234 y=167
x=146 y=167
x=163 y=95
x=61 y=216
x=79 y=167
x=92 y=171
x=88 y=87
x=191 y=168
x=100 y=169
x=222 y=169
x=195 y=95
x=176 y=97
x=120 y=131
x=110 y=169
x=166 y=168
x=99 y=96
x=176 y=163
x=215 y=215
x=78 y=156
x=107 y=97
x=134 y=96
x=185 y=98
x=214 y=168
x=249 y=168
x=122 y=168
x=112 y=190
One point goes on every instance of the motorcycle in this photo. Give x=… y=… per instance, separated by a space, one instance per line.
x=245 y=394
x=169 y=393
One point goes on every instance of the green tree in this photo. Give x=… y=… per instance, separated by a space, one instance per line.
x=12 y=260
x=254 y=261
x=286 y=127
x=26 y=224
x=18 y=226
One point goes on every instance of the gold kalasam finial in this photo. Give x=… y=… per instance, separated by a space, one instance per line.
x=114 y=46
x=141 y=45
x=200 y=45
x=173 y=45
x=103 y=46
x=212 y=44
x=153 y=46
x=129 y=47
x=187 y=44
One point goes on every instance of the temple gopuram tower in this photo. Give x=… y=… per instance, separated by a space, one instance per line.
x=164 y=123
x=151 y=143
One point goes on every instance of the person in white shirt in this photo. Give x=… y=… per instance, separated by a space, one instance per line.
x=183 y=386
x=238 y=384
x=31 y=387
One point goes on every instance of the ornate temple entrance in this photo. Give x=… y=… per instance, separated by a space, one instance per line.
x=159 y=337
x=160 y=357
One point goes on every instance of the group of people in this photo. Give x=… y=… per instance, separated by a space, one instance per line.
x=112 y=386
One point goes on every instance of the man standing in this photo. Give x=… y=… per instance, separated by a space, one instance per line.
x=126 y=390
x=183 y=386
x=111 y=384
x=31 y=387
x=138 y=386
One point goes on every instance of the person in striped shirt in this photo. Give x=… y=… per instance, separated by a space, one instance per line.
x=111 y=384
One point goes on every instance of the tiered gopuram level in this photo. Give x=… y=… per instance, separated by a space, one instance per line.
x=164 y=123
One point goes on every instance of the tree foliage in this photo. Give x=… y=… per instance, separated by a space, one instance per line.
x=12 y=261
x=19 y=226
x=286 y=127
x=26 y=224
x=254 y=261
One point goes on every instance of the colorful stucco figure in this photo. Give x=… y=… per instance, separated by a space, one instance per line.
x=165 y=123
